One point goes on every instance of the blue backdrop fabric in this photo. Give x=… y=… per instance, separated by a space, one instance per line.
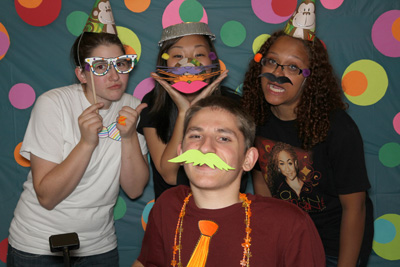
x=362 y=37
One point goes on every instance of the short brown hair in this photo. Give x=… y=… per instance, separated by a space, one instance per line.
x=245 y=122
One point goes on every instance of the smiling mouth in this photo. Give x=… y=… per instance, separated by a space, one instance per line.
x=276 y=89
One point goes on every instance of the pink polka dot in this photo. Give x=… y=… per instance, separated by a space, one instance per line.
x=264 y=10
x=331 y=4
x=143 y=88
x=382 y=34
x=171 y=14
x=22 y=96
x=396 y=123
x=4 y=43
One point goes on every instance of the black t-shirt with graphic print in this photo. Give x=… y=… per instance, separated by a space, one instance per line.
x=333 y=167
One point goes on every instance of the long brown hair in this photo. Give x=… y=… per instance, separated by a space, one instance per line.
x=321 y=93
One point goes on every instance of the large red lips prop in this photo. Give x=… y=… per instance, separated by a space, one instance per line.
x=189 y=88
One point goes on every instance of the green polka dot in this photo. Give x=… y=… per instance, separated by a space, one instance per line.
x=377 y=82
x=119 y=209
x=233 y=33
x=191 y=11
x=259 y=41
x=389 y=154
x=388 y=250
x=129 y=38
x=76 y=21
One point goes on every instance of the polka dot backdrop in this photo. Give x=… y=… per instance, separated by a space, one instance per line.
x=362 y=37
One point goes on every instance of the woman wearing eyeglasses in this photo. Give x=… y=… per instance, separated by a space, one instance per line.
x=291 y=91
x=83 y=145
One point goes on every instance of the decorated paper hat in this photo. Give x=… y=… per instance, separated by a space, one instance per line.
x=101 y=18
x=302 y=23
x=185 y=28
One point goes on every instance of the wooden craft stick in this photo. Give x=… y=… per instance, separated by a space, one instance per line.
x=94 y=91
x=93 y=88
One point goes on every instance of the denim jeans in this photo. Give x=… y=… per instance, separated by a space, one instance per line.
x=17 y=258
x=331 y=261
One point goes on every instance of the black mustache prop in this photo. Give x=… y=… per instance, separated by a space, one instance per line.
x=273 y=78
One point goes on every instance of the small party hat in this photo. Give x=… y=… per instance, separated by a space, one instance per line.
x=302 y=23
x=101 y=18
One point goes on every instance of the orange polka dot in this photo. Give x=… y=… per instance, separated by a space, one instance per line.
x=148 y=208
x=19 y=159
x=144 y=224
x=222 y=65
x=30 y=3
x=354 y=83
x=137 y=6
x=396 y=29
x=129 y=50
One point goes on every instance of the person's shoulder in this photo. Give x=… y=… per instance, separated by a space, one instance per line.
x=61 y=93
x=147 y=98
x=341 y=121
x=128 y=98
x=176 y=193
x=276 y=207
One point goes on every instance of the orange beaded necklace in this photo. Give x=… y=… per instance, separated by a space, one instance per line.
x=176 y=249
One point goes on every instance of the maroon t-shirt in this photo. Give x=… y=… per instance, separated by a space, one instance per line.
x=282 y=234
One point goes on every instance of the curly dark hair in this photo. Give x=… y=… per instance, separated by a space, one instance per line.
x=321 y=93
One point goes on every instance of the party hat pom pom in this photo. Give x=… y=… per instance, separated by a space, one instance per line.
x=212 y=56
x=306 y=72
x=258 y=57
x=165 y=56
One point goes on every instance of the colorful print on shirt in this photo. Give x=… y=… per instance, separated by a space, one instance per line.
x=290 y=174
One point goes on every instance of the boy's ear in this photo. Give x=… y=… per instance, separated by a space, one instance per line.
x=250 y=159
x=80 y=75
x=179 y=149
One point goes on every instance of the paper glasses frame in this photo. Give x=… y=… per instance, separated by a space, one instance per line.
x=90 y=61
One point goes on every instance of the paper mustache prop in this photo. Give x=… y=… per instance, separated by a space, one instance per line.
x=188 y=75
x=271 y=77
x=199 y=159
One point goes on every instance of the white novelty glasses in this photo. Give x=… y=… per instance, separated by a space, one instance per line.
x=100 y=66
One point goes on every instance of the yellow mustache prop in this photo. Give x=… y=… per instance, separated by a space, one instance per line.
x=198 y=158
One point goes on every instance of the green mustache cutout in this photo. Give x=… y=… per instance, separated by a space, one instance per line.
x=198 y=158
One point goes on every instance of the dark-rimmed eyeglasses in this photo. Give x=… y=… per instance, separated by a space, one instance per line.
x=288 y=69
